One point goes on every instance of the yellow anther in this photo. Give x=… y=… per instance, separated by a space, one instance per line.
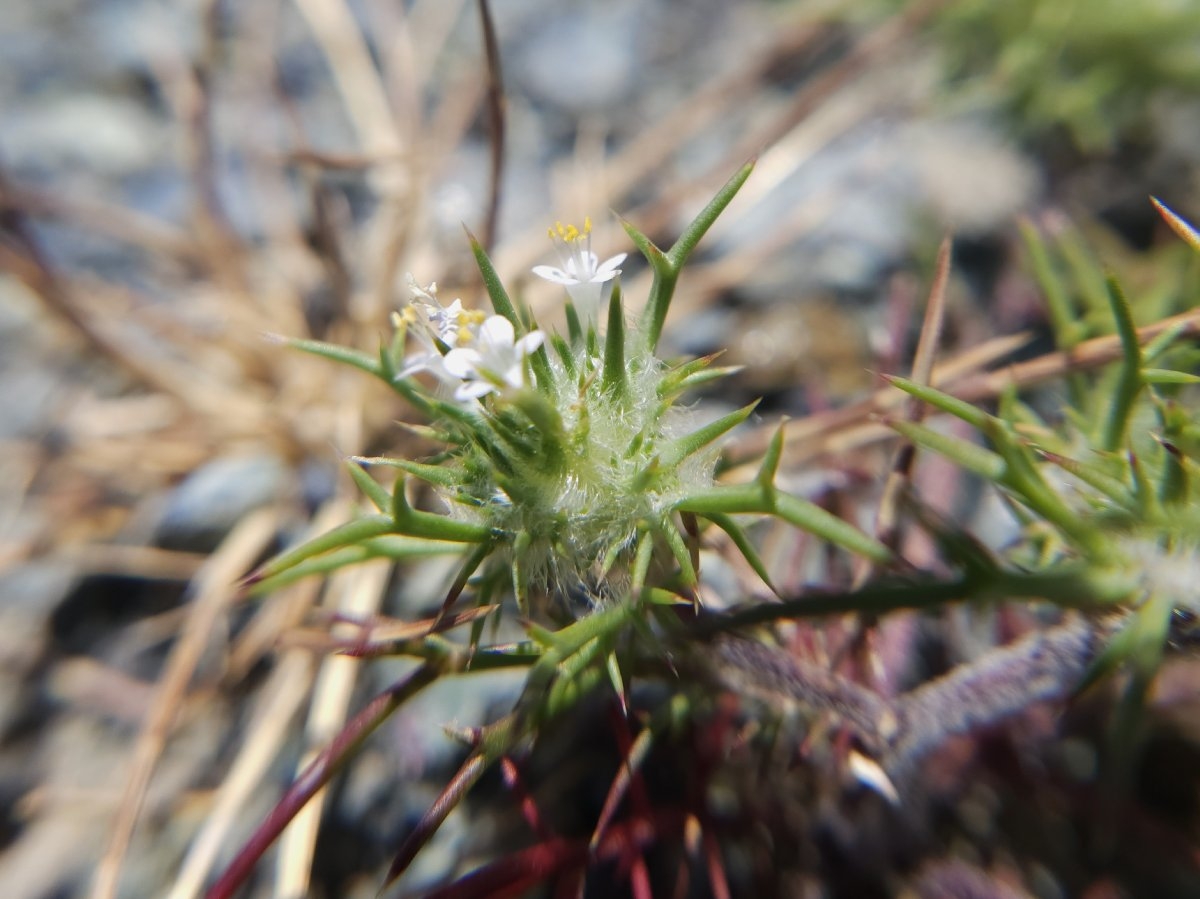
x=409 y=315
x=398 y=321
x=587 y=224
x=569 y=233
x=472 y=317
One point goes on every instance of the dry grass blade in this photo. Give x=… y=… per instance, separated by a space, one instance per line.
x=286 y=610
x=358 y=593
x=383 y=636
x=861 y=644
x=98 y=217
x=806 y=101
x=1094 y=353
x=21 y=255
x=922 y=373
x=316 y=775
x=212 y=590
x=362 y=91
x=852 y=426
x=282 y=697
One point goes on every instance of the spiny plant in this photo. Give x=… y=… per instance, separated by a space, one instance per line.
x=569 y=468
x=572 y=479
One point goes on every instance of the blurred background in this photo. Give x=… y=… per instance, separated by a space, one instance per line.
x=180 y=179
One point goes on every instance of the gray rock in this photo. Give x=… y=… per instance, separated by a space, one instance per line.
x=99 y=132
x=209 y=501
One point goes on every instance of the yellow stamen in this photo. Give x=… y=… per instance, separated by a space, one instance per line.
x=569 y=233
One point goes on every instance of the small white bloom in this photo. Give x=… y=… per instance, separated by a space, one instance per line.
x=430 y=323
x=494 y=361
x=582 y=273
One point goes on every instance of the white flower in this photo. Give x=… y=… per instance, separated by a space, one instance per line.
x=582 y=274
x=436 y=328
x=494 y=361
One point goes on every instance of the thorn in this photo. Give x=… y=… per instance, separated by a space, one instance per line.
x=868 y=773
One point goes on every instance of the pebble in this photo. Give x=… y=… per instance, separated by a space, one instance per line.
x=213 y=498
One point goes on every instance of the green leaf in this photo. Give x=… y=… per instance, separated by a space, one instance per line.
x=744 y=546
x=375 y=491
x=968 y=412
x=812 y=518
x=1167 y=376
x=973 y=458
x=1129 y=383
x=501 y=302
x=747 y=499
x=344 y=355
x=344 y=535
x=770 y=462
x=678 y=450
x=614 y=381
x=1068 y=332
x=667 y=267
x=574 y=328
x=565 y=356
x=394 y=547
x=679 y=550
x=1112 y=488
x=407 y=520
x=438 y=475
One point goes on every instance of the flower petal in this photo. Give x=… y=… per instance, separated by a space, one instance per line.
x=530 y=343
x=608 y=269
x=496 y=332
x=462 y=362
x=473 y=390
x=557 y=275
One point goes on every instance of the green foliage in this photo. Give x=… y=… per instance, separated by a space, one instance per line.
x=1089 y=66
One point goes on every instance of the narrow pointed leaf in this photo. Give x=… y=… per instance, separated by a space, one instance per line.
x=501 y=302
x=974 y=458
x=744 y=546
x=770 y=463
x=1129 y=382
x=685 y=446
x=374 y=491
x=1178 y=224
x=1168 y=376
x=394 y=547
x=407 y=520
x=344 y=535
x=812 y=518
x=344 y=355
x=968 y=412
x=645 y=245
x=1067 y=329
x=614 y=345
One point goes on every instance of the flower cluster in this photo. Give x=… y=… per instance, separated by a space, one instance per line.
x=476 y=354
